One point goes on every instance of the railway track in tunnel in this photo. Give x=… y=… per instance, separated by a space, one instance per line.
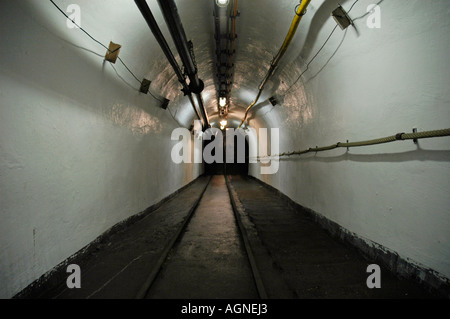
x=227 y=237
x=242 y=241
x=192 y=247
x=210 y=256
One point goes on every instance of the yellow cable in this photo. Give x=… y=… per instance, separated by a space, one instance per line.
x=295 y=22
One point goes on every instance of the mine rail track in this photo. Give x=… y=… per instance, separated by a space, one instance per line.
x=171 y=244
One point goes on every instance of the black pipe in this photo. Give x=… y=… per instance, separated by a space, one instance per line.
x=202 y=108
x=218 y=36
x=170 y=12
x=149 y=18
x=173 y=21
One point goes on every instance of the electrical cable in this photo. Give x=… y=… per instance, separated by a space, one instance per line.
x=173 y=116
x=90 y=36
x=312 y=59
x=301 y=9
x=317 y=53
x=351 y=7
x=155 y=97
x=382 y=140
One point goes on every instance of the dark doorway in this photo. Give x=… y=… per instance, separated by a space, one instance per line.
x=234 y=161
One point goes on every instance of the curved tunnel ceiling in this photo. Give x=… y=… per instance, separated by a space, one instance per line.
x=261 y=28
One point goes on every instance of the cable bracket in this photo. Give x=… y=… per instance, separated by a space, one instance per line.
x=414 y=130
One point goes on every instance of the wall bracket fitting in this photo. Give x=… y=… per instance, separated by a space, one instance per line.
x=238 y=14
x=145 y=86
x=273 y=101
x=341 y=17
x=165 y=103
x=113 y=52
x=415 y=140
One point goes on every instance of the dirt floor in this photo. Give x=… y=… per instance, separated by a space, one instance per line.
x=295 y=257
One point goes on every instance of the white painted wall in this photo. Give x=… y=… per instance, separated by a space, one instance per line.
x=80 y=148
x=380 y=82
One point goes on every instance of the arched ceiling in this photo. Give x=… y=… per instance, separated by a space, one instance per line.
x=261 y=29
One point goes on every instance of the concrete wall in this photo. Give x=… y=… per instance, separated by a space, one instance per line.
x=80 y=148
x=378 y=82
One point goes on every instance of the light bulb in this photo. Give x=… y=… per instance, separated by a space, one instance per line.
x=223 y=123
x=222 y=3
x=222 y=101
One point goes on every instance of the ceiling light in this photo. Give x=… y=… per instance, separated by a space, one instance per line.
x=223 y=123
x=222 y=3
x=222 y=101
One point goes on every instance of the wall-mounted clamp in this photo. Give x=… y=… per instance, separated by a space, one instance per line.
x=341 y=17
x=238 y=14
x=113 y=52
x=145 y=86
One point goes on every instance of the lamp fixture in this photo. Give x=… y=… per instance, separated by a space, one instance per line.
x=222 y=101
x=223 y=124
x=222 y=3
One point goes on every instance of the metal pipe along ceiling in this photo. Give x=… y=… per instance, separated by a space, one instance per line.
x=149 y=18
x=233 y=37
x=170 y=13
x=224 y=36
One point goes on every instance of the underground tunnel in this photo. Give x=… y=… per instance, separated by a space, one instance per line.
x=224 y=149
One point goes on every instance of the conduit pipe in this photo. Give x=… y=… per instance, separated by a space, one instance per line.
x=295 y=22
x=233 y=37
x=173 y=21
x=225 y=37
x=219 y=14
x=382 y=140
x=149 y=18
x=220 y=18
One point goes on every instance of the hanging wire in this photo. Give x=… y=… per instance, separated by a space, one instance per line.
x=312 y=59
x=323 y=45
x=94 y=39
x=273 y=65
